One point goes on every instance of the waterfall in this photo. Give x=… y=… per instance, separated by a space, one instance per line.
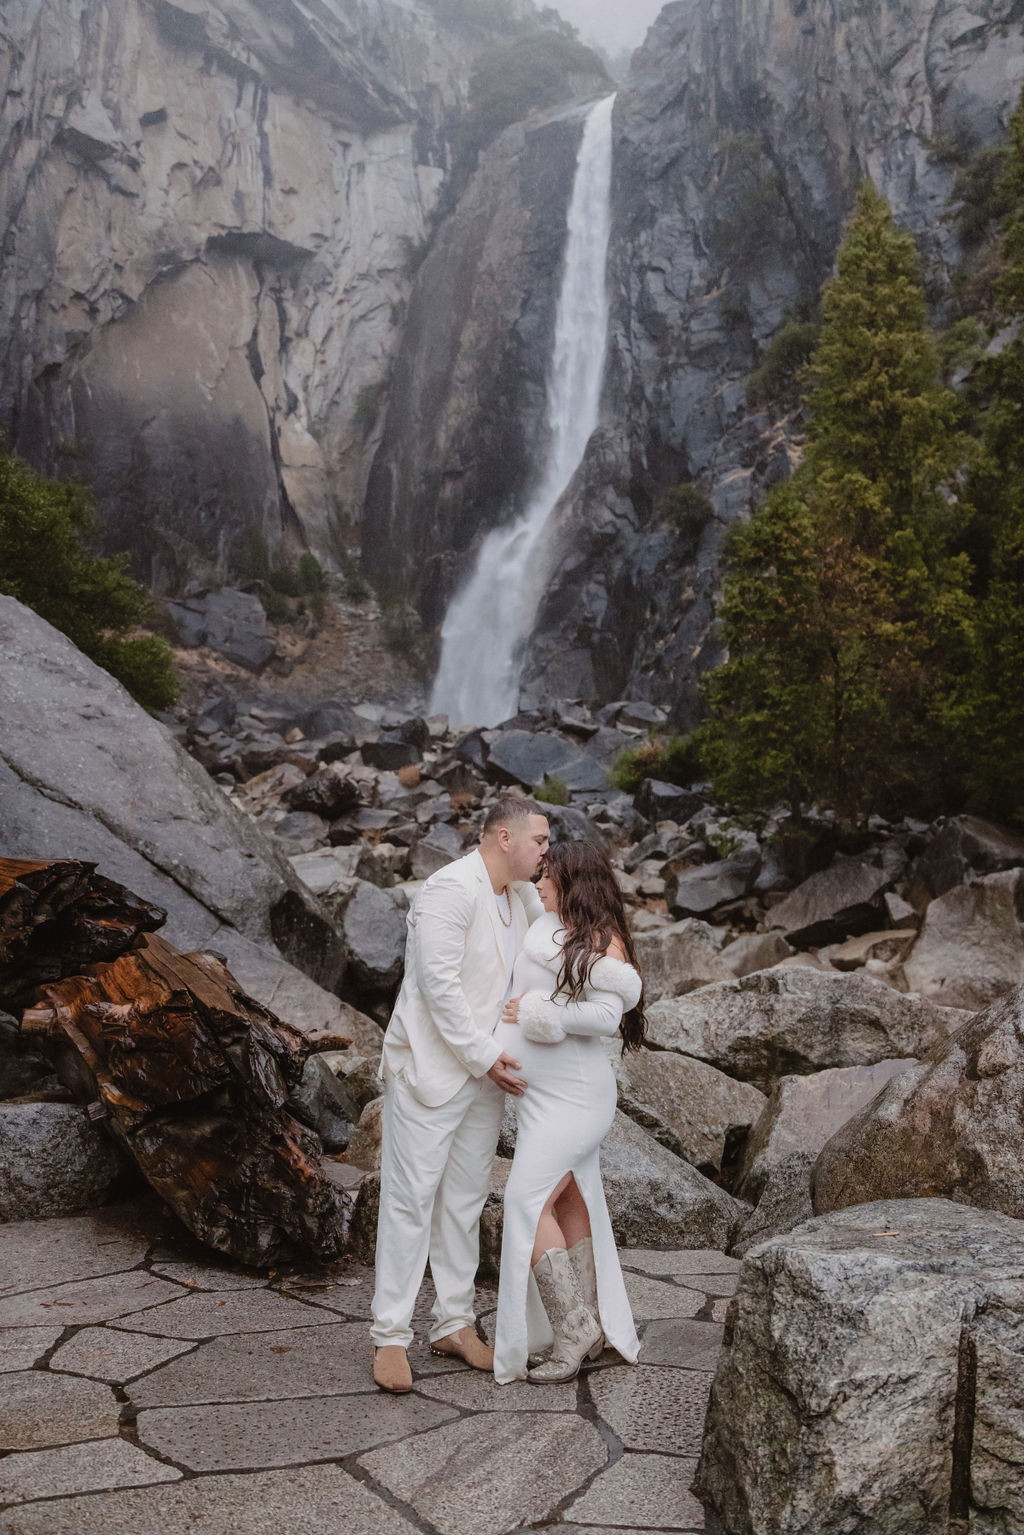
x=491 y=617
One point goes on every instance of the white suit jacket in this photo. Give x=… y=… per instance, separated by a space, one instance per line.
x=441 y=1031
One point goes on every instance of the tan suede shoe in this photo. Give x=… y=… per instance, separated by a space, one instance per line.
x=465 y=1345
x=391 y=1370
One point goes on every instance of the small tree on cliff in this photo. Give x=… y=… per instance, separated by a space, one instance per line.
x=45 y=563
x=989 y=711
x=842 y=609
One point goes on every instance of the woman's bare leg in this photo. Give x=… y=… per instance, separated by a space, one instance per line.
x=572 y=1214
x=549 y=1231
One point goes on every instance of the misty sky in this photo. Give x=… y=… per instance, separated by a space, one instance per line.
x=615 y=24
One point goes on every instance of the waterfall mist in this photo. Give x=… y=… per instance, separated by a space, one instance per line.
x=491 y=617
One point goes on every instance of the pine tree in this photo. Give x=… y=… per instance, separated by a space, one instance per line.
x=842 y=609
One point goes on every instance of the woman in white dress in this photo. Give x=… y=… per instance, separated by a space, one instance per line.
x=575 y=984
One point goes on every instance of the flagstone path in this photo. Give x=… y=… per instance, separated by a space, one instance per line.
x=147 y=1390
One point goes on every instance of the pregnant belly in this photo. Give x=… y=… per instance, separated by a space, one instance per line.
x=575 y=1071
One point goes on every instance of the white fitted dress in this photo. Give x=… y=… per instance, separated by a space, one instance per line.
x=563 y=1116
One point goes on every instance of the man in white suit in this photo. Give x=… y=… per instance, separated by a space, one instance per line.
x=445 y=1085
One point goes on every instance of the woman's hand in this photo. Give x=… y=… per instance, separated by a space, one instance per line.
x=510 y=1012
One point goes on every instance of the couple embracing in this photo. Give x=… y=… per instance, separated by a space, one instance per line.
x=509 y=989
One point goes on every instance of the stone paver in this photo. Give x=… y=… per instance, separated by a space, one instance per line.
x=34 y=1253
x=20 y=1347
x=486 y=1475
x=79 y=1468
x=691 y=1345
x=474 y=1392
x=719 y=1310
x=211 y=1315
x=652 y=1491
x=297 y=1362
x=653 y=1408
x=653 y=1298
x=237 y=1436
x=107 y=1353
x=37 y=1409
x=309 y=1500
x=88 y=1300
x=238 y=1394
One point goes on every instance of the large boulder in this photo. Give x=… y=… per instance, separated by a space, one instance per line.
x=687 y=1105
x=963 y=845
x=845 y=898
x=784 y=1202
x=526 y=758
x=694 y=892
x=659 y=801
x=230 y=622
x=374 y=930
x=783 y=1022
x=951 y=1126
x=679 y=958
x=755 y=951
x=657 y=1200
x=53 y=1160
x=121 y=793
x=803 y=1113
x=873 y=1378
x=971 y=947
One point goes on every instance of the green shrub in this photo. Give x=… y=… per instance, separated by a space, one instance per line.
x=672 y=759
x=553 y=791
x=686 y=509
x=46 y=564
x=980 y=197
x=778 y=375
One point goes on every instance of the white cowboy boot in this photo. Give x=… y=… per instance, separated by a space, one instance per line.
x=581 y=1256
x=577 y=1330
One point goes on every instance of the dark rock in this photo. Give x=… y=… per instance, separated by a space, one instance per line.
x=53 y=1160
x=325 y=793
x=695 y=892
x=855 y=1349
x=952 y=1125
x=472 y=749
x=966 y=844
x=332 y=719
x=460 y=781
x=519 y=757
x=843 y=899
x=325 y=1104
x=413 y=730
x=231 y=622
x=658 y=801
x=335 y=747
x=390 y=752
x=780 y=1022
x=303 y=829
x=570 y=825
x=374 y=932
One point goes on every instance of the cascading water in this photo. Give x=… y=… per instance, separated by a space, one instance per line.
x=491 y=617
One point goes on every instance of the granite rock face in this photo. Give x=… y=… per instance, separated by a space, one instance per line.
x=249 y=187
x=781 y=1022
x=687 y=1105
x=951 y=1126
x=872 y=1377
x=971 y=946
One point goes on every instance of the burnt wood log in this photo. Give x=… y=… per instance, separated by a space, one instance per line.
x=57 y=917
x=193 y=1077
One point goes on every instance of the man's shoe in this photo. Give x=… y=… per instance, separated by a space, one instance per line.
x=391 y=1370
x=465 y=1345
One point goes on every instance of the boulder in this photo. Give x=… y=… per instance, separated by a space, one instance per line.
x=53 y=1160
x=569 y=825
x=802 y=1113
x=784 y=1202
x=679 y=958
x=971 y=947
x=656 y=1199
x=301 y=830
x=327 y=870
x=891 y=945
x=966 y=844
x=374 y=932
x=872 y=1378
x=390 y=752
x=327 y=793
x=527 y=758
x=693 y=892
x=688 y=1106
x=845 y=898
x=323 y=1102
x=230 y=622
x=659 y=801
x=951 y=1126
x=123 y=794
x=364 y=1145
x=755 y=951
x=779 y=1022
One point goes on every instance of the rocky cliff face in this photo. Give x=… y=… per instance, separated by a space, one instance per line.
x=211 y=214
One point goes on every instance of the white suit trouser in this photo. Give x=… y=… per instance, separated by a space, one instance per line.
x=434 y=1179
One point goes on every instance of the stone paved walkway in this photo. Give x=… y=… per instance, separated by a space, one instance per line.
x=144 y=1390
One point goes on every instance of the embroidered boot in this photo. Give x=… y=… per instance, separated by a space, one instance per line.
x=581 y=1256
x=577 y=1330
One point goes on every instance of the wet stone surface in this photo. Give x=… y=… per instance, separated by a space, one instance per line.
x=147 y=1389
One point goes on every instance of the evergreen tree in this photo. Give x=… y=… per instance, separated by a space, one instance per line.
x=988 y=715
x=45 y=563
x=843 y=610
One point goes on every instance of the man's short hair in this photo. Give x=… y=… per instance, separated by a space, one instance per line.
x=508 y=809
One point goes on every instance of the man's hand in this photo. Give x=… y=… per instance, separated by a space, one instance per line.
x=501 y=1075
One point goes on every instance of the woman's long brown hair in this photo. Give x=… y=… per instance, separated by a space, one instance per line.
x=592 y=913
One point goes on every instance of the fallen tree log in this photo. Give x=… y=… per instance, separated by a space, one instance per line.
x=57 y=917
x=193 y=1077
